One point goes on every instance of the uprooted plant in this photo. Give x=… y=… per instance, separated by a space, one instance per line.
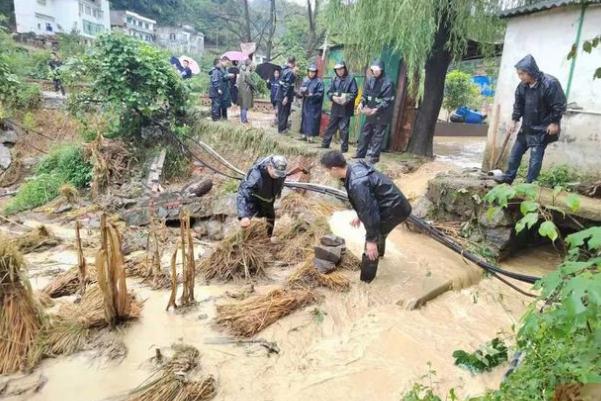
x=188 y=265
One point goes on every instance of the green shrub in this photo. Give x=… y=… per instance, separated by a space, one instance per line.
x=459 y=90
x=69 y=163
x=557 y=176
x=40 y=190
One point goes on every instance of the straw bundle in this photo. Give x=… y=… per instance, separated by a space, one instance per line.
x=295 y=203
x=149 y=268
x=297 y=238
x=244 y=254
x=178 y=379
x=110 y=160
x=349 y=262
x=68 y=283
x=307 y=276
x=36 y=240
x=69 y=193
x=189 y=266
x=252 y=315
x=20 y=316
x=111 y=275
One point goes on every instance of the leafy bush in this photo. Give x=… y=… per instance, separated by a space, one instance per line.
x=482 y=360
x=135 y=80
x=557 y=176
x=40 y=190
x=260 y=85
x=459 y=90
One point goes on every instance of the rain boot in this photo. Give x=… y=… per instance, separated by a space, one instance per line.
x=368 y=269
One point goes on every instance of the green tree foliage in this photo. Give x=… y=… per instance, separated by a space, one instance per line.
x=459 y=90
x=133 y=82
x=491 y=355
x=588 y=46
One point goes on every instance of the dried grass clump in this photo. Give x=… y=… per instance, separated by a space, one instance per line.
x=21 y=318
x=297 y=238
x=252 y=315
x=36 y=239
x=110 y=160
x=349 y=262
x=68 y=283
x=69 y=193
x=177 y=379
x=295 y=203
x=244 y=254
x=307 y=276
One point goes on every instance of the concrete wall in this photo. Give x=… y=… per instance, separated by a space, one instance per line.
x=549 y=36
x=30 y=13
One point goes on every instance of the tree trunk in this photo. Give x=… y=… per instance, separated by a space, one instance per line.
x=314 y=36
x=272 y=26
x=421 y=142
x=247 y=33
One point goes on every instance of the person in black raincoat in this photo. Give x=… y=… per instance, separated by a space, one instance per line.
x=186 y=71
x=311 y=91
x=540 y=103
x=376 y=104
x=219 y=91
x=273 y=85
x=234 y=70
x=285 y=94
x=379 y=203
x=343 y=92
x=259 y=190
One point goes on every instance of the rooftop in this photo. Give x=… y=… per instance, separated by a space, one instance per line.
x=514 y=8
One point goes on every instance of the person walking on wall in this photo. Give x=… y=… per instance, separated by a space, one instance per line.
x=245 y=90
x=311 y=91
x=342 y=93
x=285 y=94
x=376 y=104
x=540 y=103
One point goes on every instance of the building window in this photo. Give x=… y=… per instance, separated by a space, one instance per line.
x=129 y=20
x=42 y=2
x=80 y=8
x=48 y=27
x=88 y=10
x=146 y=25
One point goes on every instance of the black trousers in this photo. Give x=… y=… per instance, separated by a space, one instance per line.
x=58 y=86
x=266 y=210
x=371 y=141
x=283 y=114
x=340 y=123
x=369 y=268
x=218 y=112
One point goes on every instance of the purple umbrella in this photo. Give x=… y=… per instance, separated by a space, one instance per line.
x=235 y=55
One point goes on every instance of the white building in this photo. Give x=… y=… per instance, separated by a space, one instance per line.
x=48 y=17
x=181 y=39
x=547 y=30
x=134 y=24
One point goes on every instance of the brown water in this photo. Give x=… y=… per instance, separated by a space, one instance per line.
x=370 y=344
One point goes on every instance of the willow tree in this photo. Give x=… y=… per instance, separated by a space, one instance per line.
x=428 y=34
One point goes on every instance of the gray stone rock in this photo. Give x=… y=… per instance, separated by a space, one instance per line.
x=5 y=157
x=500 y=218
x=329 y=253
x=332 y=240
x=215 y=230
x=200 y=227
x=423 y=208
x=199 y=188
x=500 y=240
x=324 y=266
x=8 y=137
x=225 y=205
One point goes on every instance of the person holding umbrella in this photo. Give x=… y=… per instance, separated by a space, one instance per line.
x=285 y=94
x=186 y=71
x=343 y=92
x=311 y=91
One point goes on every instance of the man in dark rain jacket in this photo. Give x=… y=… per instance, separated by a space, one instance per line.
x=285 y=95
x=376 y=104
x=219 y=91
x=379 y=203
x=343 y=92
x=540 y=103
x=311 y=91
x=259 y=190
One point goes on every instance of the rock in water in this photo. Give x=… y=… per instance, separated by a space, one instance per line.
x=324 y=266
x=329 y=253
x=332 y=240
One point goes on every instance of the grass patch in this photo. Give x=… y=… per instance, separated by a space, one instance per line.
x=64 y=165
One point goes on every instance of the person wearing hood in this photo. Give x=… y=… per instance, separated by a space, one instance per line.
x=379 y=203
x=376 y=104
x=311 y=91
x=219 y=91
x=246 y=89
x=342 y=93
x=285 y=94
x=234 y=70
x=540 y=103
x=260 y=188
x=273 y=85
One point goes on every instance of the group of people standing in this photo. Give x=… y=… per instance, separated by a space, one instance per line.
x=231 y=85
x=376 y=104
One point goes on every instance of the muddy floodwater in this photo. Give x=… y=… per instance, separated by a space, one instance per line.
x=365 y=344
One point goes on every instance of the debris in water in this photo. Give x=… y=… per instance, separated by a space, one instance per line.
x=36 y=239
x=177 y=379
x=189 y=265
x=349 y=262
x=491 y=355
x=252 y=315
x=68 y=283
x=21 y=318
x=307 y=276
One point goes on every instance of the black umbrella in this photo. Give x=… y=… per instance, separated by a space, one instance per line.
x=266 y=70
